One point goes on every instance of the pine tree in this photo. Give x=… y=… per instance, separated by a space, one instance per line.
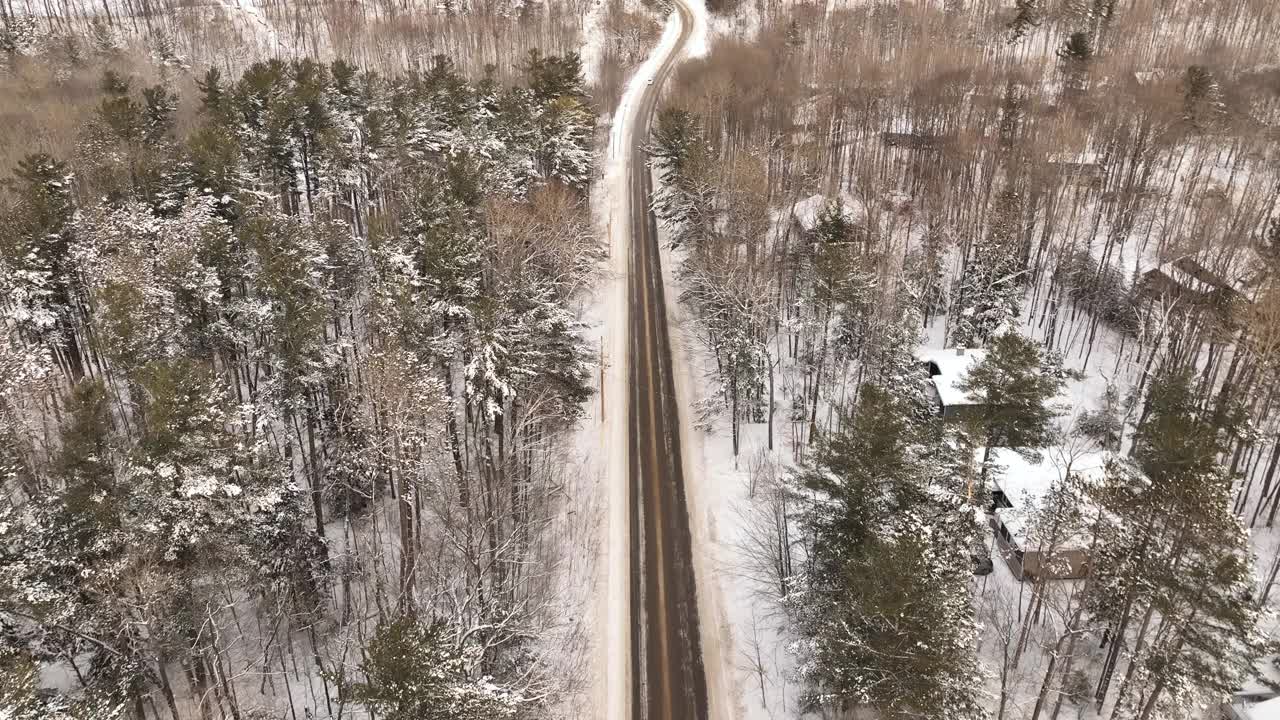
x=991 y=284
x=1013 y=388
x=414 y=672
x=1013 y=117
x=1027 y=16
x=884 y=607
x=564 y=142
x=1268 y=248
x=1172 y=553
x=892 y=361
x=844 y=275
x=36 y=239
x=685 y=198
x=213 y=94
x=1104 y=424
x=1202 y=105
x=151 y=292
x=1076 y=54
x=118 y=112
x=159 y=105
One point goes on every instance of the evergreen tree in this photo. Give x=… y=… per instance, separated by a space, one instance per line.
x=893 y=363
x=1027 y=16
x=1104 y=424
x=213 y=94
x=36 y=238
x=556 y=76
x=991 y=284
x=1076 y=54
x=1202 y=104
x=159 y=105
x=1013 y=387
x=884 y=607
x=414 y=672
x=685 y=199
x=844 y=275
x=1171 y=551
x=1268 y=247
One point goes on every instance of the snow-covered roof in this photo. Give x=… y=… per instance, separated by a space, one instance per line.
x=806 y=212
x=1178 y=272
x=954 y=364
x=1026 y=483
x=1188 y=273
x=1267 y=671
x=905 y=125
x=1083 y=158
x=1266 y=710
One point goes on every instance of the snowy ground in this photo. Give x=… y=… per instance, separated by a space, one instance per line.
x=253 y=24
x=730 y=509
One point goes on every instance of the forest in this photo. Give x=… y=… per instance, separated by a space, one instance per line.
x=288 y=360
x=1082 y=197
x=298 y=377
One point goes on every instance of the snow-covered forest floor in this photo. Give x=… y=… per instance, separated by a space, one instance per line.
x=741 y=496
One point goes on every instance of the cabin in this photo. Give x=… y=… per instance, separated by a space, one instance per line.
x=1085 y=169
x=947 y=369
x=1258 y=698
x=913 y=140
x=1186 y=278
x=904 y=133
x=1019 y=489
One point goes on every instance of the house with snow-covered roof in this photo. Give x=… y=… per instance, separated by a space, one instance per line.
x=947 y=369
x=905 y=134
x=1258 y=698
x=1031 y=544
x=1081 y=168
x=1185 y=277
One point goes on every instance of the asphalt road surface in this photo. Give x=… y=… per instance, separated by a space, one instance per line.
x=668 y=680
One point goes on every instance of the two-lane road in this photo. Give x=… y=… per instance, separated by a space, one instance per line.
x=667 y=672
